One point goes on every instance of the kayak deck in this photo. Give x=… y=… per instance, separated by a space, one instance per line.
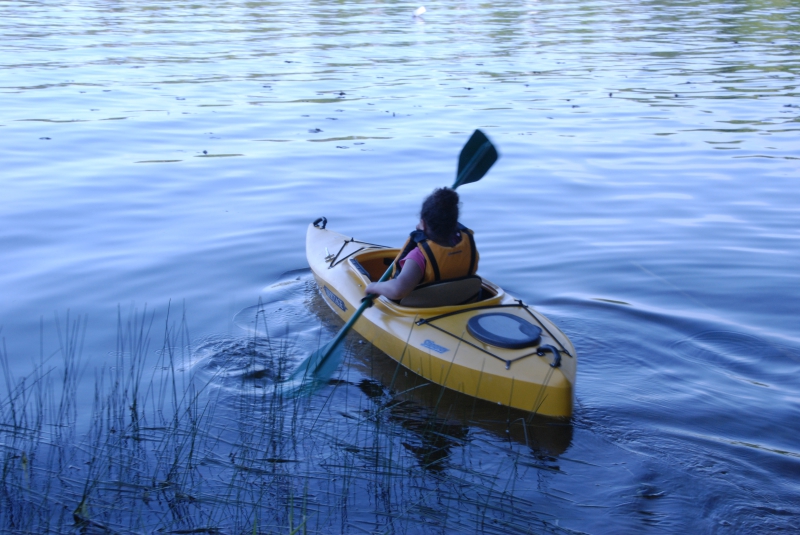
x=435 y=342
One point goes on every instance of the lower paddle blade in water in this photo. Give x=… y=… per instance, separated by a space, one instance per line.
x=319 y=366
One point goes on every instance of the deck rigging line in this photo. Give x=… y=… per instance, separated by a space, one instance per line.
x=335 y=261
x=508 y=362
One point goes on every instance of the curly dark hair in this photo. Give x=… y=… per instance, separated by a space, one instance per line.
x=440 y=214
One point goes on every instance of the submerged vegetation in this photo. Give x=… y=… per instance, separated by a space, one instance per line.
x=165 y=449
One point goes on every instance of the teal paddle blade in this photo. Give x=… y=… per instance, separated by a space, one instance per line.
x=476 y=158
x=319 y=367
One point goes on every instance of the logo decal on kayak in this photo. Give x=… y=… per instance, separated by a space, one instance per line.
x=430 y=344
x=334 y=298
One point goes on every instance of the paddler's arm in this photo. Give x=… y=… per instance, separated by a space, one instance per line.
x=401 y=286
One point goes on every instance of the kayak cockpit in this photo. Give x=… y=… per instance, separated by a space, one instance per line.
x=471 y=290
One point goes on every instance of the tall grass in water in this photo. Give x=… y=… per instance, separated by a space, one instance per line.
x=164 y=451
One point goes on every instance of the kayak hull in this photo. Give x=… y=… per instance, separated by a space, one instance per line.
x=435 y=343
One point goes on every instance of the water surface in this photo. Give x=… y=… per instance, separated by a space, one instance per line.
x=171 y=155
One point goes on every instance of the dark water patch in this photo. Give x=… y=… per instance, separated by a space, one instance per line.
x=612 y=301
x=53 y=120
x=347 y=138
x=240 y=363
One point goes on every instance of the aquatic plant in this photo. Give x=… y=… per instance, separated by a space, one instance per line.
x=164 y=449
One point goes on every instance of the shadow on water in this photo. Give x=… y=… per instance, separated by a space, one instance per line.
x=409 y=396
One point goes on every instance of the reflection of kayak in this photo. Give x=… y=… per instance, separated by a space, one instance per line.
x=494 y=348
x=439 y=415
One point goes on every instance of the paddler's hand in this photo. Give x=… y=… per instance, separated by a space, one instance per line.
x=400 y=287
x=370 y=289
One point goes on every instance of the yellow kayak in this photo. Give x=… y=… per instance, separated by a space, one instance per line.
x=494 y=347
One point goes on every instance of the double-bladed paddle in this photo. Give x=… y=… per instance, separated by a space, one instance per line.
x=476 y=158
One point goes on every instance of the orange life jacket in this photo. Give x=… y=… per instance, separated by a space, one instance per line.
x=442 y=262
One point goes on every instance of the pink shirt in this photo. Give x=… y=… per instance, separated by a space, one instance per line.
x=415 y=255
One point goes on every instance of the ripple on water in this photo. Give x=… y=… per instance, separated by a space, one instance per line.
x=740 y=356
x=280 y=330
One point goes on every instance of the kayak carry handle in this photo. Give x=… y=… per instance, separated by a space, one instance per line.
x=557 y=356
x=324 y=221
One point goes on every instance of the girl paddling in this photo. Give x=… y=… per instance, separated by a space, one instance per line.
x=440 y=249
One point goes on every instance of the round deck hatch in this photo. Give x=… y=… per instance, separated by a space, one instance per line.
x=504 y=330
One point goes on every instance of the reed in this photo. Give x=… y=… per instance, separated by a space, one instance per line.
x=166 y=449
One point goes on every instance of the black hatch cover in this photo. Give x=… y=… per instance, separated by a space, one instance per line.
x=504 y=330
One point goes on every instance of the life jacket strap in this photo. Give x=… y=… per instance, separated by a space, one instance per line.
x=415 y=237
x=472 y=250
x=432 y=259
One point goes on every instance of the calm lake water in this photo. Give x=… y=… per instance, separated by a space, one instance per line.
x=164 y=155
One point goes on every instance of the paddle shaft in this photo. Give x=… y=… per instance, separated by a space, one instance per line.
x=365 y=304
